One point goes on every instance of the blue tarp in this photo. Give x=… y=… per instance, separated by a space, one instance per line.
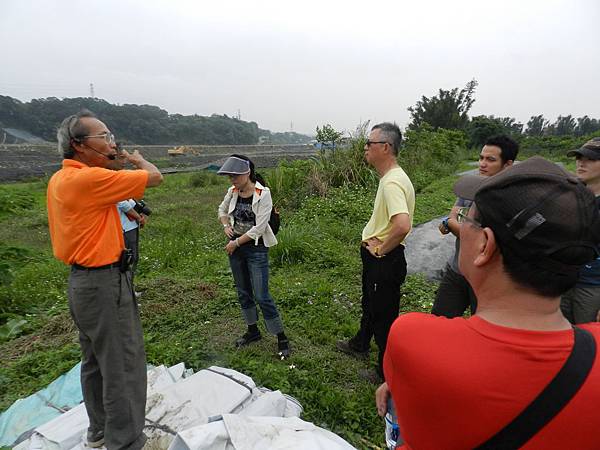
x=28 y=413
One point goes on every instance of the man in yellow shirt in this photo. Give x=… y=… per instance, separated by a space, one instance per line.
x=86 y=233
x=382 y=247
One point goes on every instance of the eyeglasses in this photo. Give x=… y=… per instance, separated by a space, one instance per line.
x=369 y=143
x=109 y=138
x=462 y=217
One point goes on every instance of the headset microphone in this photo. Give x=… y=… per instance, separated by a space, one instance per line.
x=112 y=156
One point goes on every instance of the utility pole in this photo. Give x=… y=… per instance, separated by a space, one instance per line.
x=291 y=126
x=92 y=90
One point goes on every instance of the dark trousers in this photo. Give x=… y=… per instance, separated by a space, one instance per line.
x=381 y=281
x=581 y=304
x=113 y=366
x=132 y=238
x=454 y=296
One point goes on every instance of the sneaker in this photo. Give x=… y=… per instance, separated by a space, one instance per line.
x=345 y=347
x=283 y=347
x=95 y=439
x=247 y=338
x=370 y=375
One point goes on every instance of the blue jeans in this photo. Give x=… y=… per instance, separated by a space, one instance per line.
x=250 y=268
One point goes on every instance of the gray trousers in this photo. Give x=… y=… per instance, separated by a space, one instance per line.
x=581 y=304
x=113 y=366
x=454 y=296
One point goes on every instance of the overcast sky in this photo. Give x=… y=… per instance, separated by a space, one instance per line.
x=300 y=64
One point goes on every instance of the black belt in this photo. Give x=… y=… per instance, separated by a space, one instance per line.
x=107 y=266
x=399 y=247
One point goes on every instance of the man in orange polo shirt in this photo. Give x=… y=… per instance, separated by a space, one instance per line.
x=85 y=230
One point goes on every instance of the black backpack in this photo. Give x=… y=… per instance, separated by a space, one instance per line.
x=274 y=220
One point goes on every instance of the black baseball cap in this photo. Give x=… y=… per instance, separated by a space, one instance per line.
x=591 y=149
x=541 y=212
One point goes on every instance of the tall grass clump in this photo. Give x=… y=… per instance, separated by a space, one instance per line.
x=288 y=183
x=340 y=167
x=292 y=183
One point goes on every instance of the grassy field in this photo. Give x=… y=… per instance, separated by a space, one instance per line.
x=189 y=307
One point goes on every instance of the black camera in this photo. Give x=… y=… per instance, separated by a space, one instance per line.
x=126 y=260
x=141 y=207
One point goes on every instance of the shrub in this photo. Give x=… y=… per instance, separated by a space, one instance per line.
x=428 y=155
x=553 y=146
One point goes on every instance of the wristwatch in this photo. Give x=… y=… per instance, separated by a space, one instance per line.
x=445 y=224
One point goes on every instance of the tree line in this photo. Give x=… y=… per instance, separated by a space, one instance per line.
x=449 y=110
x=139 y=124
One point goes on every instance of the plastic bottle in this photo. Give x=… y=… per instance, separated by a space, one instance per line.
x=392 y=431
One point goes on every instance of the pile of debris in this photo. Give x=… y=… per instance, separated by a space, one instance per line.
x=214 y=408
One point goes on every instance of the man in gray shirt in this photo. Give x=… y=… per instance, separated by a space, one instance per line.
x=455 y=295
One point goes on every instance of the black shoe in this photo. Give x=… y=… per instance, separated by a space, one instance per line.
x=95 y=439
x=345 y=347
x=247 y=338
x=283 y=345
x=370 y=375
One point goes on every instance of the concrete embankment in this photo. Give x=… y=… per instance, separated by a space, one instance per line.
x=28 y=160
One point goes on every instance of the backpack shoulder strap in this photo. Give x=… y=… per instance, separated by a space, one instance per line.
x=552 y=399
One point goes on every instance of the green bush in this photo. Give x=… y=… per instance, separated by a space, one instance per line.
x=428 y=155
x=553 y=146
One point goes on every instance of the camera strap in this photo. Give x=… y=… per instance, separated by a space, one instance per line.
x=555 y=396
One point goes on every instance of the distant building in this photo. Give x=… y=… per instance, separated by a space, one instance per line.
x=14 y=136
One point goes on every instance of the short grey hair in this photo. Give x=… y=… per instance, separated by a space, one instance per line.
x=71 y=129
x=391 y=133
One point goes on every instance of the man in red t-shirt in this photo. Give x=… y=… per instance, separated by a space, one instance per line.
x=86 y=233
x=458 y=382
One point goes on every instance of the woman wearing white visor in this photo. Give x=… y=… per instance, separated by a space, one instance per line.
x=244 y=214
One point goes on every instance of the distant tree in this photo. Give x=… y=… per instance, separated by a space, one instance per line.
x=536 y=126
x=481 y=128
x=140 y=124
x=511 y=126
x=11 y=111
x=564 y=125
x=585 y=125
x=327 y=134
x=448 y=109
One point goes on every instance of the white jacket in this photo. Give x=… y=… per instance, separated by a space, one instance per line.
x=261 y=207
